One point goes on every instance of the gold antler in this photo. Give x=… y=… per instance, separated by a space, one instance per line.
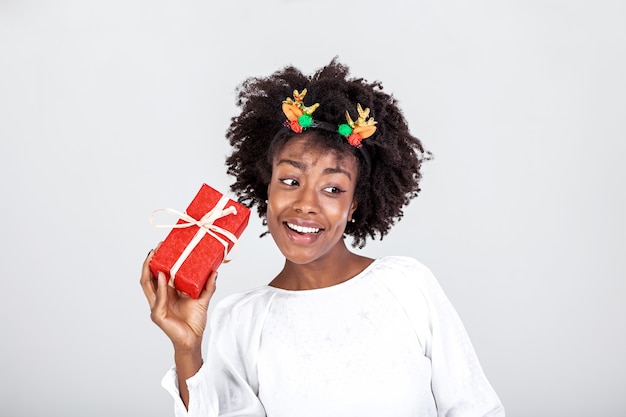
x=363 y=126
x=296 y=108
x=299 y=118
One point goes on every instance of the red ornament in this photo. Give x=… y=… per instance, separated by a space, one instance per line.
x=295 y=126
x=355 y=140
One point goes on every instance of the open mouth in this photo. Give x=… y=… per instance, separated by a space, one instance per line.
x=303 y=230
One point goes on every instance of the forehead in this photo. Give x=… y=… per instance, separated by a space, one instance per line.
x=305 y=150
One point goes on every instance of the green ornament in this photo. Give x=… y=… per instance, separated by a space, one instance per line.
x=305 y=121
x=344 y=129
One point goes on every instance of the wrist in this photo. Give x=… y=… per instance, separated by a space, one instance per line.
x=187 y=351
x=188 y=361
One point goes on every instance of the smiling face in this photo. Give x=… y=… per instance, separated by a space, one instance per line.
x=310 y=200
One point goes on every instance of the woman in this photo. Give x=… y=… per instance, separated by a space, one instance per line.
x=334 y=333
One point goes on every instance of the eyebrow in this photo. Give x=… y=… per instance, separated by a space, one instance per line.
x=337 y=170
x=291 y=162
x=303 y=167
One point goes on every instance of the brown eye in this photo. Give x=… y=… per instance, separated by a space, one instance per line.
x=289 y=181
x=333 y=190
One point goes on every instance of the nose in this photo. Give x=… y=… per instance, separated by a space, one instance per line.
x=306 y=201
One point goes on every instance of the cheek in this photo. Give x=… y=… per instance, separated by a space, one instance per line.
x=270 y=219
x=275 y=206
x=340 y=212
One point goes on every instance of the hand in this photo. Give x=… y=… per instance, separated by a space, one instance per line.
x=182 y=318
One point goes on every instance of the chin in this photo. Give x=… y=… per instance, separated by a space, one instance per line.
x=299 y=256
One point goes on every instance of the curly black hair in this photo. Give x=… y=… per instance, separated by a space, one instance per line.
x=385 y=184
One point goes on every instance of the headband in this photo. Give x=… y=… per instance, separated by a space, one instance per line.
x=299 y=118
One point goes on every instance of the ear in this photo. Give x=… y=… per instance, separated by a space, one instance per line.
x=353 y=207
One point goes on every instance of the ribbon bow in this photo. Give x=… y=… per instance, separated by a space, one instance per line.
x=205 y=226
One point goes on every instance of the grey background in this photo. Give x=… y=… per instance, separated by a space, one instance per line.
x=109 y=110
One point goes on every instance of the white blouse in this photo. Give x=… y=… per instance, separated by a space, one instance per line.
x=384 y=343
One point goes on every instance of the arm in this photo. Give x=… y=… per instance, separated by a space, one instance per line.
x=225 y=382
x=181 y=318
x=458 y=382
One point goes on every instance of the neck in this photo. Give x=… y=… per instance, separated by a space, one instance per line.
x=336 y=267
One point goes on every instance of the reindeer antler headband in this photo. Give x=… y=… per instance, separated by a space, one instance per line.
x=299 y=118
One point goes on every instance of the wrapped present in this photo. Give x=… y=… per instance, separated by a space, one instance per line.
x=200 y=241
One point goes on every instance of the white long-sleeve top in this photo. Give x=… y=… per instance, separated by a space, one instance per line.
x=387 y=342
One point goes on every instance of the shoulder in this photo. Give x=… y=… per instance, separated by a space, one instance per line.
x=402 y=268
x=244 y=306
x=417 y=291
x=408 y=278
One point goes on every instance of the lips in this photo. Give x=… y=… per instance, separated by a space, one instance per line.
x=302 y=232
x=302 y=229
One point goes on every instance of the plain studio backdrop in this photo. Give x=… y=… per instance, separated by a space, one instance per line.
x=109 y=110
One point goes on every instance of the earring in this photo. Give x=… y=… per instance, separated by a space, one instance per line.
x=352 y=221
x=266 y=201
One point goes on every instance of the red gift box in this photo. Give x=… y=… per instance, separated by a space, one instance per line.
x=198 y=243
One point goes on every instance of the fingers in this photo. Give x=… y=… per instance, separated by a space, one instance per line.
x=209 y=289
x=147 y=281
x=159 y=306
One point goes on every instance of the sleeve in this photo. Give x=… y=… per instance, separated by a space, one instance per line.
x=459 y=386
x=226 y=384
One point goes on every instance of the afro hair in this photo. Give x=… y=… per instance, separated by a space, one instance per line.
x=389 y=161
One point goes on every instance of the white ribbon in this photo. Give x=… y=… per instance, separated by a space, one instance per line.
x=205 y=226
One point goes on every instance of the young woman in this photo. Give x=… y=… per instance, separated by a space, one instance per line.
x=323 y=157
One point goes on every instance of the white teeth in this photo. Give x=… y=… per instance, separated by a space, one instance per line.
x=301 y=229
